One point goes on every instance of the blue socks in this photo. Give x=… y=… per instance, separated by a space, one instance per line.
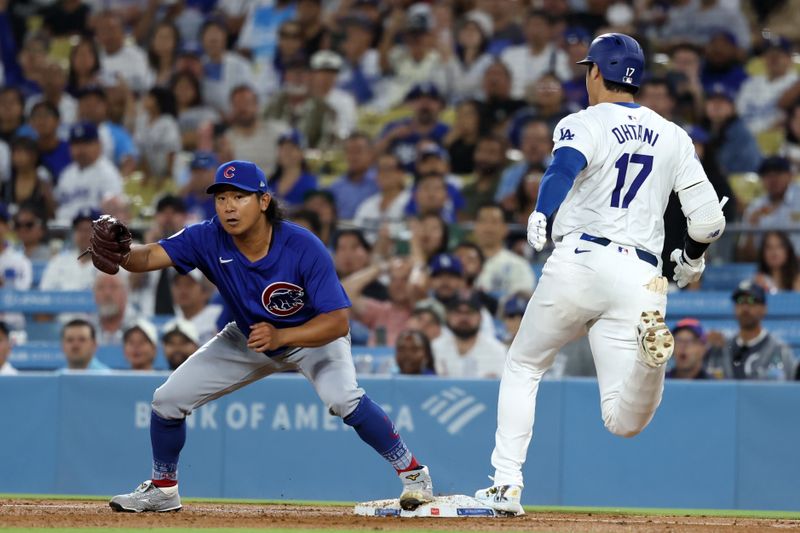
x=376 y=429
x=167 y=438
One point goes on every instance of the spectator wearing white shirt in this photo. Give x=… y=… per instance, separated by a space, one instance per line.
x=504 y=272
x=539 y=55
x=223 y=71
x=468 y=352
x=325 y=67
x=157 y=133
x=54 y=84
x=757 y=102
x=118 y=58
x=5 y=351
x=65 y=272
x=467 y=65
x=89 y=179
x=16 y=272
x=191 y=294
x=114 y=315
x=388 y=205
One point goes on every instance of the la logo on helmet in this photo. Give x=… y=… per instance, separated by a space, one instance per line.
x=229 y=172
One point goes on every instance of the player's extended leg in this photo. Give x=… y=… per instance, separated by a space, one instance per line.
x=551 y=319
x=219 y=367
x=630 y=350
x=330 y=370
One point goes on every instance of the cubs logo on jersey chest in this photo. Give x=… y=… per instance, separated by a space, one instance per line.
x=283 y=298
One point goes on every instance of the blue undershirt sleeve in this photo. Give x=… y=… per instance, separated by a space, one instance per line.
x=558 y=179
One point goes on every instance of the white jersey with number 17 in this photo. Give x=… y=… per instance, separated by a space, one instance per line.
x=634 y=159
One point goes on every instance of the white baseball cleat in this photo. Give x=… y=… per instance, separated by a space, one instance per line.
x=655 y=339
x=147 y=497
x=502 y=498
x=417 y=488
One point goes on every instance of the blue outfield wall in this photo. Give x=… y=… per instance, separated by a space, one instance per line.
x=719 y=445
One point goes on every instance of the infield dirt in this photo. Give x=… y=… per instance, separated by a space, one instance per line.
x=77 y=513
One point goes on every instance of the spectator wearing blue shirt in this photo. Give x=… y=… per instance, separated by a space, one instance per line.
x=361 y=72
x=199 y=204
x=536 y=145
x=731 y=142
x=54 y=152
x=402 y=136
x=723 y=63
x=79 y=345
x=292 y=179
x=358 y=182
x=117 y=142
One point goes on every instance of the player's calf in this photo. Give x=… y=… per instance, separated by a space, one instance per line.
x=655 y=339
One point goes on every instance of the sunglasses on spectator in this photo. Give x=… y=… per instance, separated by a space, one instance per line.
x=744 y=299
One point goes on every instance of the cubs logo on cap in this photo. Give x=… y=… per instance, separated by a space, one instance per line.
x=244 y=175
x=283 y=298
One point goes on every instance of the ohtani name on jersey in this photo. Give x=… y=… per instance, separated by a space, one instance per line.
x=634 y=132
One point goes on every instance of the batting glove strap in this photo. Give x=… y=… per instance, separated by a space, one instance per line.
x=687 y=270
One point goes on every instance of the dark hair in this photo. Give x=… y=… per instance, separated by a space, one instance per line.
x=429 y=175
x=426 y=345
x=47 y=106
x=274 y=213
x=659 y=82
x=241 y=88
x=35 y=209
x=85 y=41
x=493 y=137
x=357 y=233
x=152 y=58
x=212 y=21
x=178 y=76
x=538 y=13
x=358 y=134
x=472 y=246
x=790 y=135
x=481 y=48
x=445 y=232
x=28 y=144
x=171 y=201
x=507 y=218
x=789 y=269
x=79 y=322
x=497 y=61
x=398 y=163
x=311 y=217
x=4 y=328
x=165 y=101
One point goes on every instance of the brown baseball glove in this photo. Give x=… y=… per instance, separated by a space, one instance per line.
x=110 y=244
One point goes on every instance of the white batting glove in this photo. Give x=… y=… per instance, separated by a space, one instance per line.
x=686 y=270
x=537 y=230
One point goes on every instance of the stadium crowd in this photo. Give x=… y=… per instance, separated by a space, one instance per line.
x=410 y=137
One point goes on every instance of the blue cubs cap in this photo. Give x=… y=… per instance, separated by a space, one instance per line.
x=690 y=324
x=204 y=160
x=294 y=137
x=619 y=58
x=424 y=89
x=243 y=175
x=446 y=264
x=515 y=306
x=83 y=132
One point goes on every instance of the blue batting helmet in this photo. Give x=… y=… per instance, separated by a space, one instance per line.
x=619 y=58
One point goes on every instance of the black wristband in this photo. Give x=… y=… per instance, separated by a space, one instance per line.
x=693 y=249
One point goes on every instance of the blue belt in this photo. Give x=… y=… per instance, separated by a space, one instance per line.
x=644 y=255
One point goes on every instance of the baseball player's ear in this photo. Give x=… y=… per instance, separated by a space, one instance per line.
x=266 y=198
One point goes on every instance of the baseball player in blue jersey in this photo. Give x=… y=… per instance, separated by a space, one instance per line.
x=279 y=283
x=614 y=167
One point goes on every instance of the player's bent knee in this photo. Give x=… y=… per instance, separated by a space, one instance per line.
x=617 y=427
x=342 y=402
x=166 y=403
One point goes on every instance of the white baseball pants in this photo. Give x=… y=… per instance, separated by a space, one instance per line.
x=585 y=288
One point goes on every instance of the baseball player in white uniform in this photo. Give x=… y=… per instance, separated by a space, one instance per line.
x=614 y=167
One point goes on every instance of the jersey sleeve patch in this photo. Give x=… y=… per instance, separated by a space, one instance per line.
x=575 y=132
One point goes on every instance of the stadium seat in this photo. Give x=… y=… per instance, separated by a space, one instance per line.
x=718 y=304
x=727 y=277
